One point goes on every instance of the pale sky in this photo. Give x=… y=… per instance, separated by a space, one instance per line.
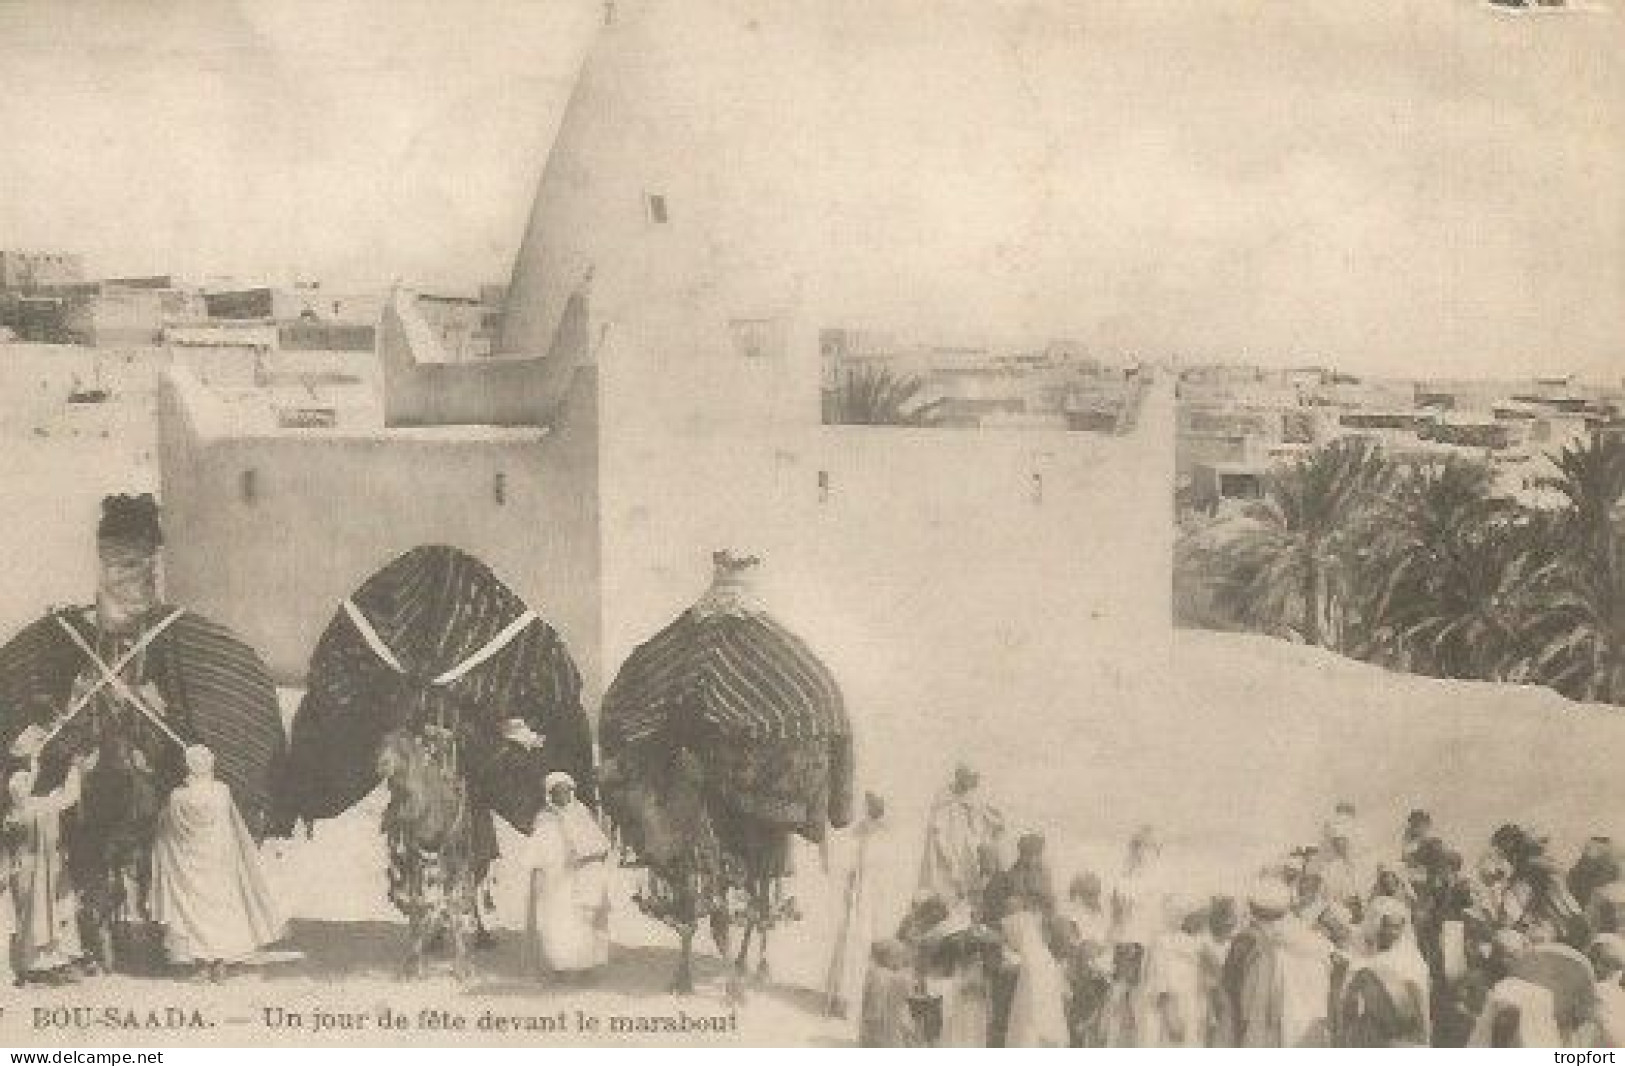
x=1371 y=182
x=356 y=140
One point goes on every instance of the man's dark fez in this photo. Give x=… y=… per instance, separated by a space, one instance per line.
x=131 y=521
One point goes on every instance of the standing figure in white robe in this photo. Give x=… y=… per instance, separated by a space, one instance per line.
x=1343 y=877
x=961 y=824
x=1608 y=959
x=1175 y=988
x=1038 y=1010
x=1139 y=910
x=567 y=931
x=208 y=889
x=863 y=918
x=45 y=938
x=1391 y=1007
x=1282 y=972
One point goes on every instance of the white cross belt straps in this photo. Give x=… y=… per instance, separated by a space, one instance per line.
x=112 y=676
x=456 y=673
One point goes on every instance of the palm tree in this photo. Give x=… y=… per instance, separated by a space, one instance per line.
x=1464 y=616
x=1296 y=568
x=1575 y=637
x=875 y=396
x=1444 y=569
x=1592 y=478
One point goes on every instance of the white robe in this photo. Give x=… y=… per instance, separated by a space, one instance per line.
x=1401 y=962
x=1537 y=1027
x=46 y=931
x=959 y=825
x=1286 y=990
x=1038 y=1012
x=1174 y=970
x=1611 y=1013
x=1306 y=987
x=568 y=918
x=1139 y=906
x=208 y=889
x=861 y=919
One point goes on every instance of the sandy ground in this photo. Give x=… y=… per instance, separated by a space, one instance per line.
x=1235 y=749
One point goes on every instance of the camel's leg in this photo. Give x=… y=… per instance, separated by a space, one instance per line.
x=410 y=962
x=721 y=933
x=684 y=984
x=100 y=914
x=419 y=930
x=734 y=986
x=101 y=943
x=143 y=888
x=460 y=967
x=482 y=936
x=764 y=890
x=413 y=968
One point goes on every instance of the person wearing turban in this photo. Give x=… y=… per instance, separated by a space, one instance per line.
x=1175 y=993
x=961 y=823
x=567 y=927
x=45 y=938
x=1036 y=1016
x=864 y=910
x=208 y=890
x=886 y=1018
x=1279 y=974
x=1386 y=1002
x=1138 y=905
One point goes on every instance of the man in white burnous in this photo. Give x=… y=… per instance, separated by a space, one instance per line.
x=960 y=825
x=208 y=889
x=567 y=931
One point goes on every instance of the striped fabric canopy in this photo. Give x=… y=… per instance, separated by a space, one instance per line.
x=215 y=690
x=431 y=611
x=765 y=716
x=736 y=676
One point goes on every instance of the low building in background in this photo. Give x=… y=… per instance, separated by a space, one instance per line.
x=116 y=315
x=32 y=271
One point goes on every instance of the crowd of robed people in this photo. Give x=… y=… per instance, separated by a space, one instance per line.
x=1343 y=942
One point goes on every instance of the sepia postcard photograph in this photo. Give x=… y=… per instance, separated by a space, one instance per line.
x=812 y=523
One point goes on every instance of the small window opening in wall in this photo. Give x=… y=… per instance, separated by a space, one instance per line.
x=1038 y=488
x=823 y=486
x=754 y=338
x=499 y=488
x=250 y=486
x=657 y=208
